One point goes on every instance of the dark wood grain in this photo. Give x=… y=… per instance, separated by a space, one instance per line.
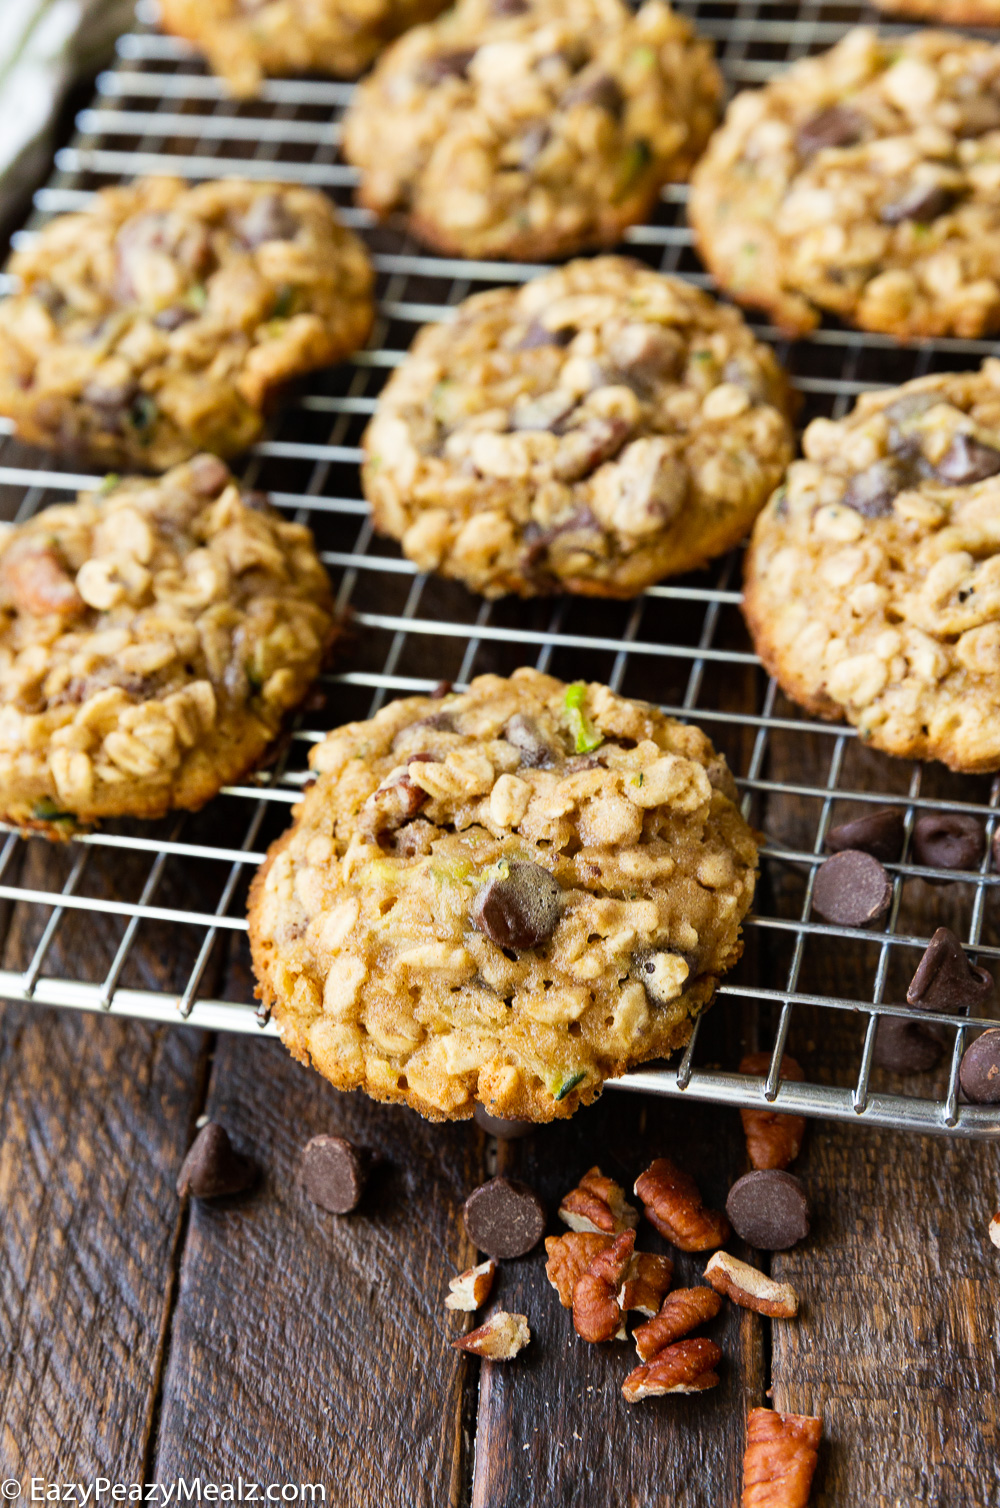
x=897 y=1344
x=93 y=1114
x=314 y=1347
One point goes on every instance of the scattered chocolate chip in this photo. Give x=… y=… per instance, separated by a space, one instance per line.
x=979 y=1073
x=904 y=1046
x=872 y=492
x=537 y=335
x=520 y=909
x=948 y=840
x=851 y=889
x=879 y=833
x=923 y=202
x=212 y=1167
x=446 y=65
x=441 y=690
x=599 y=89
x=526 y=739
x=945 y=980
x=494 y=1126
x=768 y=1209
x=967 y=461
x=504 y=1218
x=334 y=1173
x=836 y=126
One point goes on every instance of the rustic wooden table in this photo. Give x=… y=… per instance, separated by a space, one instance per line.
x=261 y=1338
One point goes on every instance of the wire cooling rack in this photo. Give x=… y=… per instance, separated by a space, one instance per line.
x=682 y=644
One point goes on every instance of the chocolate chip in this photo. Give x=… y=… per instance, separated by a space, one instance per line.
x=446 y=65
x=212 y=1167
x=441 y=690
x=538 y=335
x=118 y=396
x=945 y=980
x=769 y=1209
x=836 y=126
x=494 y=1126
x=509 y=7
x=967 y=461
x=851 y=889
x=173 y=318
x=267 y=219
x=904 y=1046
x=334 y=1173
x=526 y=739
x=879 y=833
x=948 y=840
x=519 y=909
x=599 y=89
x=923 y=202
x=979 y=1074
x=872 y=492
x=504 y=1218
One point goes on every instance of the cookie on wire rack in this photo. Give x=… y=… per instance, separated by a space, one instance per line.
x=505 y=896
x=873 y=576
x=532 y=128
x=862 y=183
x=592 y=431
x=244 y=42
x=165 y=320
x=154 y=635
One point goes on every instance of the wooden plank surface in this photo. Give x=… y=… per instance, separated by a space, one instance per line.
x=93 y=1114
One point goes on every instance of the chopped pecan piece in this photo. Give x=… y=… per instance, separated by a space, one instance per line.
x=569 y=1257
x=397 y=800
x=751 y=1288
x=500 y=1338
x=683 y=1311
x=674 y=1207
x=646 y=1281
x=994 y=1229
x=598 y=1204
x=773 y=1139
x=597 y=1314
x=35 y=581
x=780 y=1459
x=687 y=1367
x=472 y=1287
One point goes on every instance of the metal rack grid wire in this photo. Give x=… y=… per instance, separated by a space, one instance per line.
x=682 y=644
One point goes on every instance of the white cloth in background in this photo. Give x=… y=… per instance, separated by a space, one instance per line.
x=44 y=46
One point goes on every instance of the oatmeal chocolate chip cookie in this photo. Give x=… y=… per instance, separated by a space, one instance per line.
x=153 y=635
x=506 y=896
x=862 y=183
x=244 y=40
x=873 y=576
x=948 y=12
x=165 y=319
x=592 y=431
x=532 y=128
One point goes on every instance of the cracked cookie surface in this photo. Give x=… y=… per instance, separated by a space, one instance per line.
x=593 y=431
x=244 y=40
x=532 y=128
x=165 y=320
x=153 y=637
x=873 y=576
x=862 y=183
x=467 y=908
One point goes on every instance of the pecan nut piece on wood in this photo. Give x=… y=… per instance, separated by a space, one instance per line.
x=500 y=1338
x=683 y=1311
x=471 y=1288
x=647 y=1280
x=751 y=1288
x=597 y=1314
x=688 y=1367
x=569 y=1257
x=774 y=1139
x=780 y=1459
x=598 y=1204
x=675 y=1208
